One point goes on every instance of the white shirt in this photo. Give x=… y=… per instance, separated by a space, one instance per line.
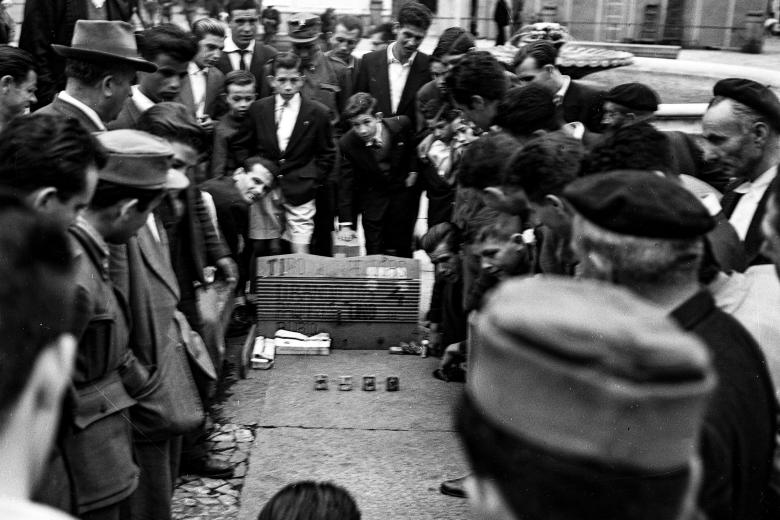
x=142 y=102
x=20 y=509
x=151 y=223
x=91 y=114
x=198 y=81
x=285 y=116
x=558 y=97
x=397 y=74
x=234 y=54
x=745 y=209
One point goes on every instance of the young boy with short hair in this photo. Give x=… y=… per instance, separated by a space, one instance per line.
x=377 y=161
x=239 y=94
x=293 y=133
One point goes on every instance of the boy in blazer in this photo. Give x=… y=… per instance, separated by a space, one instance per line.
x=377 y=170
x=295 y=134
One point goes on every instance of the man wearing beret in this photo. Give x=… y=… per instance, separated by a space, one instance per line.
x=636 y=103
x=613 y=395
x=740 y=130
x=644 y=232
x=97 y=445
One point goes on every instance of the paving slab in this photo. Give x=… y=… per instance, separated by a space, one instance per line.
x=390 y=449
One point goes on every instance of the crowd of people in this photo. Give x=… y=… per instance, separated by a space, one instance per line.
x=606 y=290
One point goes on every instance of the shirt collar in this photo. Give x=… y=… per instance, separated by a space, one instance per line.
x=91 y=114
x=294 y=103
x=141 y=101
x=760 y=183
x=230 y=46
x=93 y=234
x=193 y=69
x=392 y=59
x=558 y=97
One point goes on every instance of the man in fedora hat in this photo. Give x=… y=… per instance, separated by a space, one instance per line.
x=48 y=22
x=100 y=66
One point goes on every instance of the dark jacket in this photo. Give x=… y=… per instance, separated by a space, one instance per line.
x=52 y=21
x=360 y=170
x=754 y=238
x=738 y=436
x=309 y=157
x=62 y=108
x=262 y=53
x=584 y=104
x=215 y=82
x=225 y=129
x=373 y=78
x=127 y=118
x=232 y=210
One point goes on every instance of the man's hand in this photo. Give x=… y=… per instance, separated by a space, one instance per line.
x=206 y=123
x=228 y=268
x=346 y=234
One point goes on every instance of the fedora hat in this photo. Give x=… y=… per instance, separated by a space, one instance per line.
x=104 y=41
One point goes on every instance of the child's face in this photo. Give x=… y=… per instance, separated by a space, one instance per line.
x=239 y=97
x=446 y=263
x=502 y=258
x=286 y=82
x=364 y=126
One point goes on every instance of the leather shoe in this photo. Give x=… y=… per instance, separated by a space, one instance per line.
x=455 y=487
x=207 y=467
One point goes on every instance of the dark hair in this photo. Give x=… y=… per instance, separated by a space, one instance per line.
x=109 y=193
x=173 y=122
x=39 y=150
x=542 y=51
x=415 y=14
x=90 y=73
x=240 y=5
x=205 y=26
x=484 y=159
x=360 y=103
x=639 y=146
x=167 y=39
x=309 y=500
x=544 y=166
x=524 y=110
x=537 y=483
x=454 y=40
x=478 y=73
x=386 y=30
x=16 y=63
x=36 y=295
x=351 y=23
x=503 y=228
x=285 y=60
x=443 y=232
x=240 y=78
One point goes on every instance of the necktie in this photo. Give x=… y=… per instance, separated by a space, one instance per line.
x=280 y=113
x=374 y=143
x=729 y=201
x=241 y=62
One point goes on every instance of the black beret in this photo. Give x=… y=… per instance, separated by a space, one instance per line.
x=634 y=95
x=639 y=203
x=752 y=94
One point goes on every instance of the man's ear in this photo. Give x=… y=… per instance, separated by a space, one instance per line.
x=5 y=82
x=42 y=198
x=477 y=102
x=517 y=239
x=494 y=197
x=126 y=207
x=556 y=202
x=760 y=133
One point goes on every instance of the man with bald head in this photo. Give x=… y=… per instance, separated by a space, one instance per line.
x=740 y=129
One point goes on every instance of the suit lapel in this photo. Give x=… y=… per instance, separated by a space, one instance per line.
x=418 y=69
x=185 y=96
x=157 y=257
x=383 y=84
x=268 y=122
x=301 y=123
x=213 y=88
x=754 y=237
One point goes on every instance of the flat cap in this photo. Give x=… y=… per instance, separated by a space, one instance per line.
x=637 y=96
x=304 y=27
x=588 y=370
x=751 y=94
x=639 y=203
x=139 y=160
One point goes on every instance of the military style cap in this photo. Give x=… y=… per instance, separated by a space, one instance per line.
x=637 y=96
x=304 y=27
x=752 y=94
x=639 y=203
x=139 y=160
x=588 y=370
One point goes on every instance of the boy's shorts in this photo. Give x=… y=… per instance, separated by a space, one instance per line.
x=299 y=222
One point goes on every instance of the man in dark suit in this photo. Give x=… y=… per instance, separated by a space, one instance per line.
x=296 y=134
x=577 y=102
x=52 y=22
x=242 y=50
x=203 y=86
x=393 y=76
x=101 y=64
x=741 y=131
x=170 y=49
x=377 y=157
